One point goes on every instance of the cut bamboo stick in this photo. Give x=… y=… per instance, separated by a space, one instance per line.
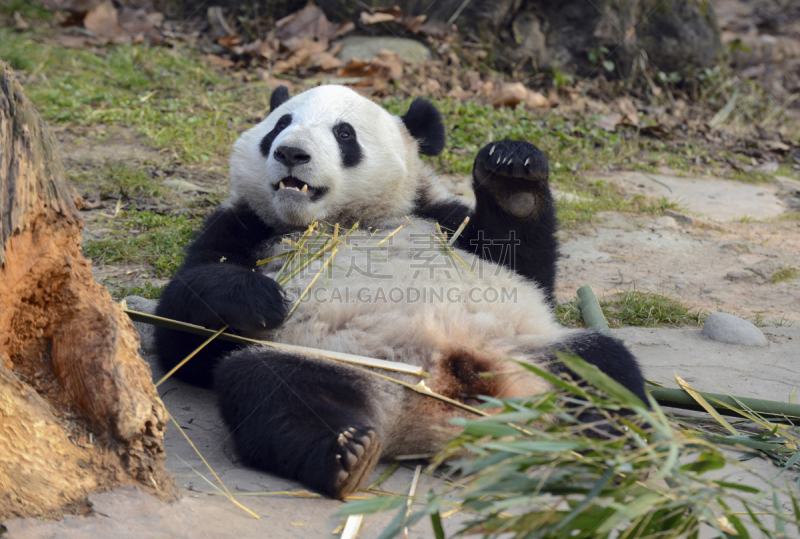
x=315 y=352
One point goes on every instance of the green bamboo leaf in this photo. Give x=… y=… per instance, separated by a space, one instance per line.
x=601 y=380
x=780 y=522
x=704 y=463
x=529 y=446
x=736 y=522
x=399 y=522
x=495 y=430
x=737 y=486
x=375 y=505
x=792 y=461
x=436 y=524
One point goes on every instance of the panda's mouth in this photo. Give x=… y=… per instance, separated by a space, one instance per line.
x=290 y=183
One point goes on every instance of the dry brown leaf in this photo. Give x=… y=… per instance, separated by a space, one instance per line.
x=535 y=100
x=413 y=24
x=103 y=21
x=374 y=18
x=19 y=22
x=308 y=23
x=386 y=66
x=73 y=42
x=609 y=122
x=345 y=28
x=487 y=89
x=474 y=79
x=136 y=21
x=777 y=146
x=459 y=93
x=229 y=42
x=326 y=61
x=628 y=109
x=307 y=46
x=510 y=94
x=432 y=86
x=218 y=61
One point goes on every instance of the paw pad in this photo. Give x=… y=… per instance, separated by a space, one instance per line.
x=357 y=450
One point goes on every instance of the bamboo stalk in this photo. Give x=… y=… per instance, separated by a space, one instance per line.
x=779 y=412
x=591 y=311
x=315 y=352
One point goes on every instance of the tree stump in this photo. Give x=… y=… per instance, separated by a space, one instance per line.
x=78 y=410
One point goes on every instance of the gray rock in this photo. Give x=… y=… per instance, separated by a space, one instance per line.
x=367 y=48
x=143 y=305
x=727 y=328
x=665 y=221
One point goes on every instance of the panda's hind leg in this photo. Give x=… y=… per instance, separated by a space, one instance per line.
x=301 y=418
x=515 y=220
x=610 y=356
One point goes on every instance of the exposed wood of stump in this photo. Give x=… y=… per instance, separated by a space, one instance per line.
x=78 y=410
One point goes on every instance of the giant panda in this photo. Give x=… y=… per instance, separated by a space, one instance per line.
x=331 y=155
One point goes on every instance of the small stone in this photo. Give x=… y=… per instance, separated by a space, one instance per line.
x=146 y=331
x=665 y=221
x=741 y=275
x=705 y=290
x=727 y=328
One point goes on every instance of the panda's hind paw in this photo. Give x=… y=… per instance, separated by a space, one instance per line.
x=356 y=452
x=510 y=159
x=515 y=174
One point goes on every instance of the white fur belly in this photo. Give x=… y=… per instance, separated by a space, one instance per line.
x=406 y=298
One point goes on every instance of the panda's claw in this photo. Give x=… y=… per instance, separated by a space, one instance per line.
x=357 y=451
x=514 y=173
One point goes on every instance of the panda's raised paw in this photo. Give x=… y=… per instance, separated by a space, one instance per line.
x=356 y=451
x=255 y=304
x=514 y=173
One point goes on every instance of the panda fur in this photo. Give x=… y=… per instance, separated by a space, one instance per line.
x=327 y=423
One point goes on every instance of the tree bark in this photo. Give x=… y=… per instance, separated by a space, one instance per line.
x=78 y=409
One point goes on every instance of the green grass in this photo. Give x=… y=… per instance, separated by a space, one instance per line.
x=784 y=274
x=148 y=291
x=170 y=96
x=634 y=307
x=116 y=178
x=145 y=237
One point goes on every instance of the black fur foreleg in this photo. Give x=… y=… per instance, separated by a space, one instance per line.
x=300 y=418
x=212 y=296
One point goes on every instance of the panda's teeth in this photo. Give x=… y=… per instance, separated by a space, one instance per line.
x=304 y=189
x=282 y=186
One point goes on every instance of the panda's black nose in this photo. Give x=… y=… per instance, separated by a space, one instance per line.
x=291 y=156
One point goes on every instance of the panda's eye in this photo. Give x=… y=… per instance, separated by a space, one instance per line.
x=344 y=132
x=283 y=122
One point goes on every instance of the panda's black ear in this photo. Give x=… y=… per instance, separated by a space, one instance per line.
x=424 y=122
x=280 y=95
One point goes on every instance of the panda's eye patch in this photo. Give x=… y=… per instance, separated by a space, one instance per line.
x=269 y=138
x=344 y=131
x=348 y=145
